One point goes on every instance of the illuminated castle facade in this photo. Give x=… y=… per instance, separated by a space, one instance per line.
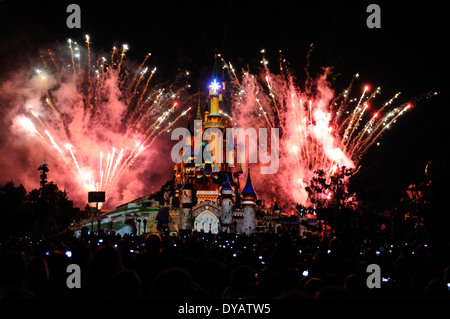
x=208 y=192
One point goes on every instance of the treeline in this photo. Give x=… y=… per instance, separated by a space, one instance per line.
x=38 y=212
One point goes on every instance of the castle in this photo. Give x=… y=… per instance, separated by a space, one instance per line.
x=209 y=193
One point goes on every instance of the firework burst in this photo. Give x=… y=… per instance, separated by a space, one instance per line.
x=96 y=114
x=320 y=130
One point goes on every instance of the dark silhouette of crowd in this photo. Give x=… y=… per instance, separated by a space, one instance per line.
x=223 y=266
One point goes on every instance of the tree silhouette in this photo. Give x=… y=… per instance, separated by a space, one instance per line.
x=14 y=212
x=36 y=212
x=329 y=192
x=330 y=198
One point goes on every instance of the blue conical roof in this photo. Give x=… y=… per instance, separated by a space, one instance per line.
x=248 y=188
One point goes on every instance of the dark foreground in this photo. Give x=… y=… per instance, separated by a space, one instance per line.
x=225 y=266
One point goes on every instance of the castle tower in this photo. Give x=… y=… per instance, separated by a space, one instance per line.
x=186 y=200
x=248 y=206
x=183 y=171
x=227 y=194
x=214 y=119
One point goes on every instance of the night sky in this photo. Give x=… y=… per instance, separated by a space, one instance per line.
x=408 y=54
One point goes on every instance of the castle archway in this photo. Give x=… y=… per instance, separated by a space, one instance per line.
x=206 y=222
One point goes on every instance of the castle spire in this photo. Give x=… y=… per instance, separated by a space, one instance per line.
x=248 y=207
x=199 y=115
x=248 y=188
